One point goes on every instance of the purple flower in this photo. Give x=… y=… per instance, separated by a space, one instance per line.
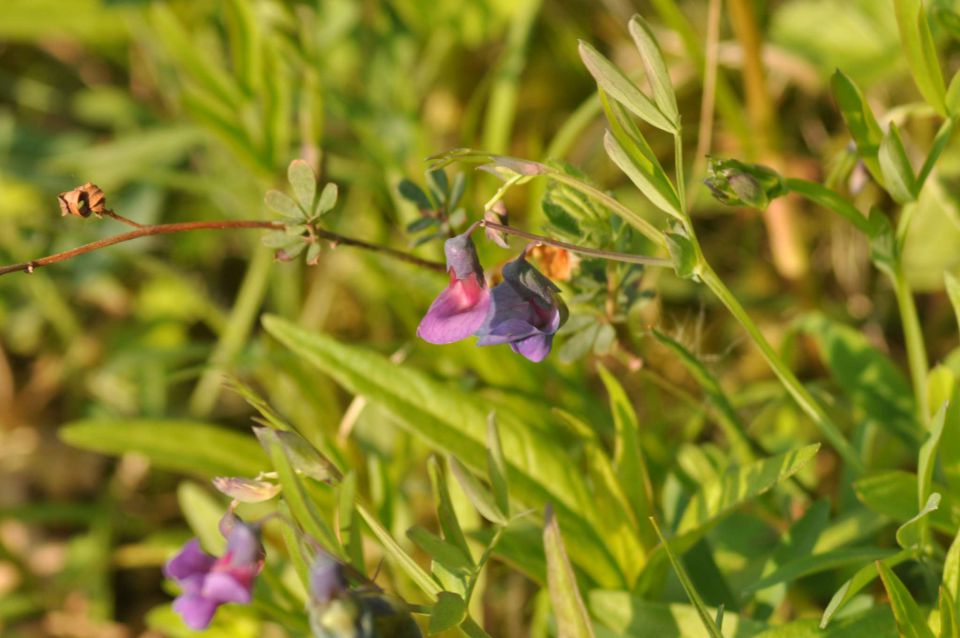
x=461 y=308
x=208 y=582
x=526 y=311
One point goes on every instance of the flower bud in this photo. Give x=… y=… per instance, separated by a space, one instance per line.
x=82 y=201
x=735 y=183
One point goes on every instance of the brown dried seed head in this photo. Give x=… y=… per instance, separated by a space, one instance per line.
x=82 y=201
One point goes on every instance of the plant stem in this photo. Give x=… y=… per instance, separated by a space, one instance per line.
x=646 y=228
x=182 y=227
x=796 y=389
x=582 y=250
x=678 y=167
x=913 y=337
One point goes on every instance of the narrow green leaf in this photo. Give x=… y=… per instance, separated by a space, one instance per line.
x=447 y=516
x=304 y=458
x=688 y=587
x=441 y=551
x=644 y=176
x=953 y=95
x=864 y=576
x=628 y=458
x=940 y=142
x=328 y=199
x=928 y=454
x=304 y=183
x=482 y=499
x=414 y=194
x=568 y=607
x=829 y=199
x=657 y=73
x=200 y=449
x=949 y=621
x=738 y=485
x=951 y=569
x=911 y=621
x=921 y=54
x=394 y=551
x=295 y=549
x=454 y=422
x=497 y=467
x=860 y=121
x=619 y=87
x=284 y=205
x=448 y=612
x=911 y=534
x=803 y=566
x=245 y=43
x=895 y=166
x=942 y=388
x=302 y=507
x=894 y=494
x=631 y=617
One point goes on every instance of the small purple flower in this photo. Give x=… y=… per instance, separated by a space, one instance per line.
x=460 y=309
x=208 y=582
x=526 y=311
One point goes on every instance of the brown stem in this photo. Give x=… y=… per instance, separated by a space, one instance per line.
x=168 y=229
x=583 y=250
x=122 y=219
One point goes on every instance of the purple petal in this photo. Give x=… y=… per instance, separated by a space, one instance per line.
x=196 y=611
x=243 y=544
x=224 y=587
x=507 y=331
x=189 y=561
x=535 y=348
x=456 y=313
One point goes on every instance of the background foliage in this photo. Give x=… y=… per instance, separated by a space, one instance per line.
x=655 y=404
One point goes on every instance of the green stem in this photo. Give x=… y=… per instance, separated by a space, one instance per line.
x=796 y=389
x=913 y=337
x=646 y=228
x=678 y=161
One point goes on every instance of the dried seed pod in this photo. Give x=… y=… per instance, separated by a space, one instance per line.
x=82 y=201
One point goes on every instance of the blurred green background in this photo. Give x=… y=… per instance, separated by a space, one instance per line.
x=192 y=110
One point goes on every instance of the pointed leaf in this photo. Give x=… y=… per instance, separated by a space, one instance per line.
x=895 y=166
x=951 y=569
x=445 y=512
x=911 y=621
x=928 y=454
x=394 y=551
x=478 y=494
x=328 y=199
x=911 y=534
x=304 y=183
x=644 y=175
x=949 y=620
x=568 y=607
x=864 y=576
x=860 y=121
x=656 y=68
x=921 y=54
x=619 y=87
x=497 y=467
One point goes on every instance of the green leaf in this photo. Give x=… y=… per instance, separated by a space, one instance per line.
x=894 y=494
x=441 y=551
x=656 y=69
x=942 y=388
x=448 y=612
x=683 y=252
x=864 y=576
x=921 y=54
x=394 y=551
x=454 y=422
x=739 y=484
x=628 y=459
x=284 y=205
x=692 y=594
x=860 y=121
x=481 y=498
x=568 y=607
x=328 y=199
x=873 y=383
x=200 y=449
x=895 y=166
x=940 y=142
x=951 y=569
x=724 y=412
x=911 y=621
x=829 y=199
x=646 y=175
x=805 y=565
x=302 y=507
x=949 y=621
x=953 y=95
x=304 y=183
x=613 y=82
x=497 y=467
x=414 y=194
x=630 y=617
x=928 y=454
x=911 y=534
x=452 y=533
x=246 y=45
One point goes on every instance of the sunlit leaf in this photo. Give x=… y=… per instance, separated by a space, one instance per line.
x=568 y=607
